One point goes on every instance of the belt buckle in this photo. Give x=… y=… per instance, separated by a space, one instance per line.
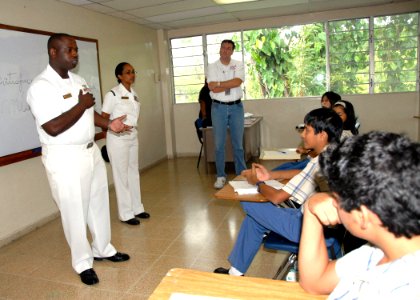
x=89 y=145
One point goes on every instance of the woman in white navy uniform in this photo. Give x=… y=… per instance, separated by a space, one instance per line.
x=123 y=147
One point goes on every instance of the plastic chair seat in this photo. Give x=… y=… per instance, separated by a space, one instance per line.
x=275 y=241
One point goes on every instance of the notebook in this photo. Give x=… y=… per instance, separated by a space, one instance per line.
x=242 y=187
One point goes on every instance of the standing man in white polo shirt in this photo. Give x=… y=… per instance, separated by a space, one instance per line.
x=63 y=108
x=225 y=77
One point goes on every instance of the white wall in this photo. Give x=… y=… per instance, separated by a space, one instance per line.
x=25 y=196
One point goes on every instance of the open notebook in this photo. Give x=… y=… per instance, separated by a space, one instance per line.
x=242 y=187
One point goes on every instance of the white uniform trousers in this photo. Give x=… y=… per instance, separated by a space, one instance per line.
x=79 y=185
x=123 y=151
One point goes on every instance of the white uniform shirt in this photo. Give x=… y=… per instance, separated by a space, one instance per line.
x=124 y=102
x=362 y=278
x=49 y=96
x=220 y=72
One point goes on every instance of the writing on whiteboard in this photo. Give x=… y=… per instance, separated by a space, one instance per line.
x=13 y=87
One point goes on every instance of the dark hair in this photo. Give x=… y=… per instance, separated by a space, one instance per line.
x=54 y=38
x=119 y=70
x=350 y=123
x=333 y=97
x=325 y=119
x=229 y=42
x=381 y=171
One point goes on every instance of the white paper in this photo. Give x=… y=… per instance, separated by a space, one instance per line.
x=244 y=188
x=280 y=154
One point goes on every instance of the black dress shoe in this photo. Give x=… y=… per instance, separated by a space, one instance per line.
x=117 y=257
x=89 y=277
x=221 y=271
x=143 y=215
x=132 y=221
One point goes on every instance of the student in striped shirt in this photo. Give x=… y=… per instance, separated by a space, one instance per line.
x=322 y=127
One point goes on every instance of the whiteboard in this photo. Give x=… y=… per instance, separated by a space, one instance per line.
x=23 y=55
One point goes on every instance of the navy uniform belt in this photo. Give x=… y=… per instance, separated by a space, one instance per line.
x=227 y=103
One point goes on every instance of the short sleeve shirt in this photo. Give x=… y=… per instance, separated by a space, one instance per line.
x=304 y=184
x=362 y=278
x=120 y=102
x=49 y=96
x=220 y=72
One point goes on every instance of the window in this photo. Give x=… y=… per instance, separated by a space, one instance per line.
x=358 y=56
x=285 y=62
x=349 y=56
x=188 y=68
x=395 y=46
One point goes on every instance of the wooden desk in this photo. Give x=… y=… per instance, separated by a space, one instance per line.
x=227 y=193
x=251 y=143
x=219 y=285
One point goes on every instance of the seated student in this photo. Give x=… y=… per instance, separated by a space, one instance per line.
x=346 y=112
x=322 y=126
x=204 y=115
x=374 y=179
x=328 y=99
x=205 y=105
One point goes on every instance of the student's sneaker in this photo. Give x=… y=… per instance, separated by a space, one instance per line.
x=220 y=182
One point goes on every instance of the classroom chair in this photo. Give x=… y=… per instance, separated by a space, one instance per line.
x=274 y=241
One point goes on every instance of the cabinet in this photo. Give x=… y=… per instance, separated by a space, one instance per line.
x=251 y=143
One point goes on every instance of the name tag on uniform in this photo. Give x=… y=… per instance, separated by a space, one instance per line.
x=66 y=96
x=124 y=97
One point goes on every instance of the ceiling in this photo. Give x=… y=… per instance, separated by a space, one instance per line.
x=176 y=14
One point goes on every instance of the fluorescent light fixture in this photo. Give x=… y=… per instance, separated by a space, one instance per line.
x=232 y=1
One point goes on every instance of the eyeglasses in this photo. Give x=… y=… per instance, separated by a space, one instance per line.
x=130 y=72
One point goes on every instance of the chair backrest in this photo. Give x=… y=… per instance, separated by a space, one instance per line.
x=104 y=153
x=275 y=241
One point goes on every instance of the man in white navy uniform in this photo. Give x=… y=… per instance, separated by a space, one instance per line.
x=225 y=77
x=65 y=118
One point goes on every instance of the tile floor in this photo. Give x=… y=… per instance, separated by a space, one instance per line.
x=189 y=228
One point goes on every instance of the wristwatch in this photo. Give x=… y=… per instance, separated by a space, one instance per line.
x=258 y=185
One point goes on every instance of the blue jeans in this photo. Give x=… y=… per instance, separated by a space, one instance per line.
x=232 y=116
x=261 y=218
x=298 y=165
